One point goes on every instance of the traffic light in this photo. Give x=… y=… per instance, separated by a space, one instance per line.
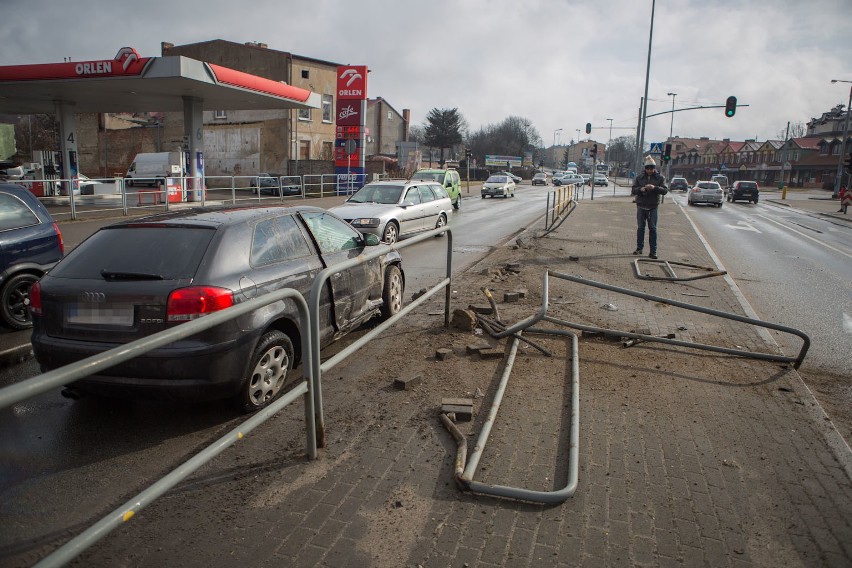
x=667 y=153
x=588 y=128
x=595 y=151
x=467 y=153
x=731 y=106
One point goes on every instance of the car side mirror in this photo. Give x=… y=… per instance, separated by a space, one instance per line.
x=371 y=240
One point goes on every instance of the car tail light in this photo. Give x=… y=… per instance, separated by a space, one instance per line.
x=35 y=299
x=186 y=304
x=61 y=242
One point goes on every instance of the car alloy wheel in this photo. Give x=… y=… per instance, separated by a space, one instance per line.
x=15 y=301
x=267 y=374
x=441 y=223
x=392 y=292
x=391 y=233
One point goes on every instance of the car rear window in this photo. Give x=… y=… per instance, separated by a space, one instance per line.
x=709 y=185
x=14 y=213
x=748 y=185
x=170 y=253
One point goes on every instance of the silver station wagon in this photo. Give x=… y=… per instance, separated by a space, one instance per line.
x=394 y=209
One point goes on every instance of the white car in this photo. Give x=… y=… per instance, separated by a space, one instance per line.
x=706 y=192
x=393 y=209
x=601 y=179
x=498 y=185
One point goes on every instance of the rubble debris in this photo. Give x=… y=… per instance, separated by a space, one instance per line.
x=490 y=354
x=510 y=297
x=479 y=393
x=476 y=348
x=419 y=293
x=513 y=267
x=574 y=258
x=465 y=320
x=484 y=310
x=407 y=383
x=461 y=407
x=443 y=354
x=610 y=307
x=522 y=293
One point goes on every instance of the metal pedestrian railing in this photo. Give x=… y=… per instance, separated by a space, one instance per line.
x=310 y=387
x=560 y=204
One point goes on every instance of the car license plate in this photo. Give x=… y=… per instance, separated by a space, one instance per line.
x=102 y=315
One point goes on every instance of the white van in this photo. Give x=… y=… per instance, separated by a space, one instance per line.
x=150 y=168
x=722 y=180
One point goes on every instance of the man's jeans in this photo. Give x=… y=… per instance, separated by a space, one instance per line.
x=648 y=216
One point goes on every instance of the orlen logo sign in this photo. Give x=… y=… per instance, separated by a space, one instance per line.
x=124 y=57
x=352 y=82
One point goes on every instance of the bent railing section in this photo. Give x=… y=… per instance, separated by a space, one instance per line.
x=314 y=310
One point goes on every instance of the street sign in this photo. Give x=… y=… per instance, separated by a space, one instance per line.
x=656 y=148
x=350 y=146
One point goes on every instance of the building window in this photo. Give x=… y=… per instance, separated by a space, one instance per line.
x=304 y=149
x=327 y=151
x=220 y=114
x=305 y=114
x=306 y=74
x=327 y=105
x=390 y=115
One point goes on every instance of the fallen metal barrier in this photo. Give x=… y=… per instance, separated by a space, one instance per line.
x=672 y=276
x=541 y=315
x=466 y=469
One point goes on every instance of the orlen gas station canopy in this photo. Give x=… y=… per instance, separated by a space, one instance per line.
x=130 y=83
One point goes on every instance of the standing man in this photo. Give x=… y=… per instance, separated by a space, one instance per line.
x=648 y=187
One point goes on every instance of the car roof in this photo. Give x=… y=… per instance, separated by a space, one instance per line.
x=215 y=216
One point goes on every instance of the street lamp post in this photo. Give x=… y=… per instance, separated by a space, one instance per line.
x=644 y=113
x=839 y=175
x=671 y=131
x=554 y=135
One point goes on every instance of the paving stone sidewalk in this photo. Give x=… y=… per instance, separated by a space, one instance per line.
x=687 y=458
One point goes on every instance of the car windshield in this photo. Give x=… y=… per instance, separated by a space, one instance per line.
x=428 y=176
x=377 y=194
x=539 y=176
x=496 y=179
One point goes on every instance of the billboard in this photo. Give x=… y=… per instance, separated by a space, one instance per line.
x=503 y=161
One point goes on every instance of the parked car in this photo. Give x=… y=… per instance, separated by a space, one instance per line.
x=30 y=244
x=498 y=185
x=679 y=184
x=557 y=177
x=705 y=192
x=744 y=190
x=132 y=279
x=539 y=179
x=449 y=179
x=587 y=178
x=394 y=209
x=516 y=179
x=601 y=179
x=269 y=184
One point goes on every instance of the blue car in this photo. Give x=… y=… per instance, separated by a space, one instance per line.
x=30 y=244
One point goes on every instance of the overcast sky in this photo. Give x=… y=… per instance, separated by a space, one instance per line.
x=558 y=63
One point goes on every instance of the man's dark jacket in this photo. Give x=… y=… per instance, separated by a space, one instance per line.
x=649 y=199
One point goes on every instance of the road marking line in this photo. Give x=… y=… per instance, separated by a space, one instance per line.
x=817 y=241
x=745 y=227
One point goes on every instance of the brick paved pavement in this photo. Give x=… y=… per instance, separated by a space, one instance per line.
x=686 y=458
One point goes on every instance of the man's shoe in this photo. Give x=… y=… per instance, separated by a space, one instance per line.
x=637 y=252
x=653 y=255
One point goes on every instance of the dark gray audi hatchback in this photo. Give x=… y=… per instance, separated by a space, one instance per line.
x=135 y=278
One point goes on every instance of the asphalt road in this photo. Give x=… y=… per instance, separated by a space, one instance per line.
x=793 y=267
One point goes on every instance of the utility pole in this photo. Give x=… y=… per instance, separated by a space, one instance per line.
x=671 y=132
x=839 y=175
x=638 y=156
x=783 y=161
x=647 y=77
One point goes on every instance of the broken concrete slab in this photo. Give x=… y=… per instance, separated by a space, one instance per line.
x=464 y=320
